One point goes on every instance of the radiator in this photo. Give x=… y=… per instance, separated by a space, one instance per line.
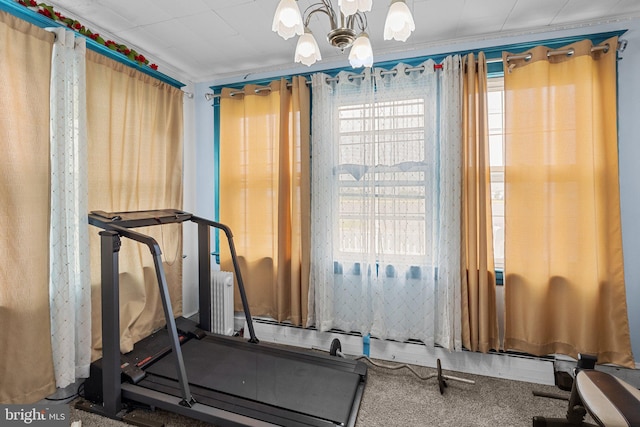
x=222 y=302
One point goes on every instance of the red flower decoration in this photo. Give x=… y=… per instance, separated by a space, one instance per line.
x=49 y=12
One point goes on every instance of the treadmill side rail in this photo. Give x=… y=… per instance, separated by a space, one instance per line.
x=198 y=411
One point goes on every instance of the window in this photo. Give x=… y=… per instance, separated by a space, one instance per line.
x=400 y=192
x=391 y=136
x=495 y=100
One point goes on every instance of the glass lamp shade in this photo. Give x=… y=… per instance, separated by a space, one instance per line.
x=307 y=50
x=349 y=7
x=361 y=54
x=287 y=21
x=399 y=23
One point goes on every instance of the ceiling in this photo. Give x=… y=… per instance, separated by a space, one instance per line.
x=205 y=40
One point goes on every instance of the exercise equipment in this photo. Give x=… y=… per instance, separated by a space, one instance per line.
x=226 y=381
x=610 y=401
x=336 y=350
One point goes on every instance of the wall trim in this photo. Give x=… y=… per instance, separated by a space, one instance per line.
x=512 y=367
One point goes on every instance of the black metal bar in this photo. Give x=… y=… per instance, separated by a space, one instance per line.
x=173 y=332
x=113 y=307
x=204 y=276
x=110 y=247
x=236 y=267
x=206 y=413
x=153 y=245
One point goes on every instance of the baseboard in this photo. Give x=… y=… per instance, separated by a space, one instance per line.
x=498 y=365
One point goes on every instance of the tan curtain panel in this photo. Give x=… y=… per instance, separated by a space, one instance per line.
x=26 y=364
x=479 y=318
x=135 y=131
x=264 y=195
x=564 y=289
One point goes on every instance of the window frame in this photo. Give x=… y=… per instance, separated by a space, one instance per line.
x=376 y=118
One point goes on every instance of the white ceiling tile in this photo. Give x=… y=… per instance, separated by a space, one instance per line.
x=176 y=9
x=140 y=12
x=209 y=26
x=627 y=7
x=222 y=4
x=584 y=10
x=471 y=27
x=487 y=9
x=527 y=14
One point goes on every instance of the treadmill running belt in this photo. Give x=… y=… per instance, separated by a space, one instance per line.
x=287 y=382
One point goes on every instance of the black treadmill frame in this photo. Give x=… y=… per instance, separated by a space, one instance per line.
x=114 y=226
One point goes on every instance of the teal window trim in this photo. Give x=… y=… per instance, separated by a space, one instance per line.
x=42 y=21
x=216 y=175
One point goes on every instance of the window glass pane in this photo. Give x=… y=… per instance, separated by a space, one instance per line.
x=382 y=155
x=495 y=100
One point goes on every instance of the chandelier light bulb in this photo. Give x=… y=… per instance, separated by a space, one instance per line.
x=287 y=21
x=361 y=54
x=307 y=50
x=399 y=23
x=349 y=7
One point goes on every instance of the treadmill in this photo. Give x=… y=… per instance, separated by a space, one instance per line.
x=225 y=381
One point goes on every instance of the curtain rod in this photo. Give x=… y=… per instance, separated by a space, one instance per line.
x=526 y=56
x=211 y=96
x=550 y=53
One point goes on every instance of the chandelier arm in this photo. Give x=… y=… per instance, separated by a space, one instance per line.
x=319 y=7
x=362 y=21
x=329 y=7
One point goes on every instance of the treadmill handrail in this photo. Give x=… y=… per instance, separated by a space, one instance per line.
x=236 y=268
x=219 y=225
x=114 y=232
x=152 y=243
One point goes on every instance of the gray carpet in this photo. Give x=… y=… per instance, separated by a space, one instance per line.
x=399 y=398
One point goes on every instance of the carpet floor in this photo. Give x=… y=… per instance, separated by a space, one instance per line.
x=399 y=398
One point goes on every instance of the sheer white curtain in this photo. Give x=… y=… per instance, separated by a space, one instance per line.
x=386 y=182
x=69 y=280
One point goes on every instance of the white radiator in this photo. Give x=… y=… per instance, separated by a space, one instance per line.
x=222 y=302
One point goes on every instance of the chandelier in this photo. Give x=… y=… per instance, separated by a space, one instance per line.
x=348 y=28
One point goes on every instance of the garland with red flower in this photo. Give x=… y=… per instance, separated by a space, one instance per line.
x=49 y=12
